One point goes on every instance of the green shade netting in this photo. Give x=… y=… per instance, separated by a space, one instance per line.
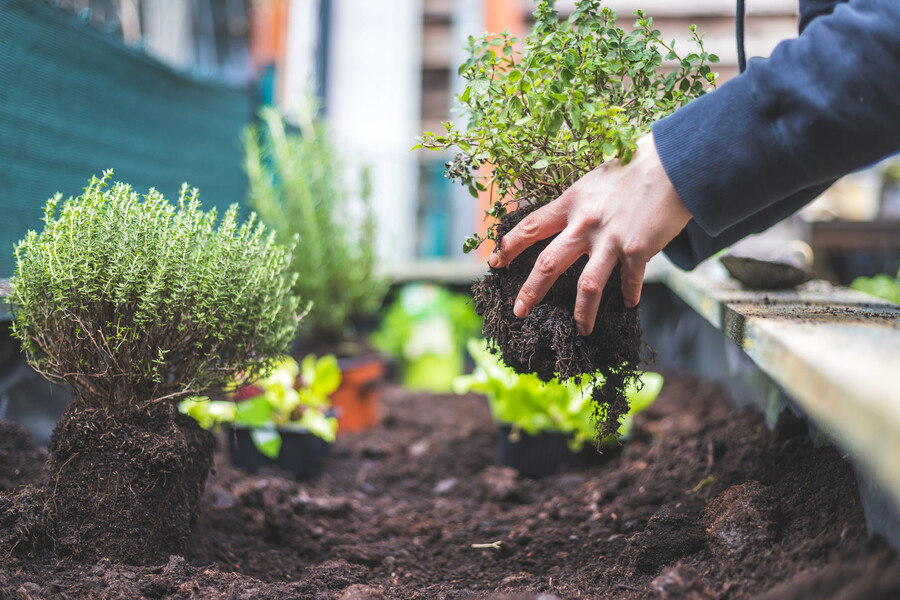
x=74 y=101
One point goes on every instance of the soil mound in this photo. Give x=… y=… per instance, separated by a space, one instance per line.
x=121 y=483
x=547 y=343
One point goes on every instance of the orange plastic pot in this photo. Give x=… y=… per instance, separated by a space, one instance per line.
x=356 y=401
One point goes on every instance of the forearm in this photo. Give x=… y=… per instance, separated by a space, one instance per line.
x=824 y=104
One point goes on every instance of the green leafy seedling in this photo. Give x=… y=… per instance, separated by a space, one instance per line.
x=532 y=406
x=279 y=405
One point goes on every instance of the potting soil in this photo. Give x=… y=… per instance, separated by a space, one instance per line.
x=705 y=502
x=547 y=343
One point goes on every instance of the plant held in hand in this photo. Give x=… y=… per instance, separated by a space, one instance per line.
x=580 y=93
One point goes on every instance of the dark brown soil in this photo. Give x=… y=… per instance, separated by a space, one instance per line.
x=120 y=483
x=547 y=343
x=705 y=502
x=20 y=461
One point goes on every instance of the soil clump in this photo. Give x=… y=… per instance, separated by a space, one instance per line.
x=417 y=509
x=547 y=342
x=123 y=483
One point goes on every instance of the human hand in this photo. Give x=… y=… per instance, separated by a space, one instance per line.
x=616 y=215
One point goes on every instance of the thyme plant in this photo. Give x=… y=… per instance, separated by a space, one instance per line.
x=581 y=92
x=129 y=299
x=298 y=189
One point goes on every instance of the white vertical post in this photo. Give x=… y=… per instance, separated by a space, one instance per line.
x=300 y=53
x=373 y=106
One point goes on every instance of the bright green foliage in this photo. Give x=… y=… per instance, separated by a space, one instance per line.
x=279 y=404
x=297 y=187
x=425 y=332
x=131 y=300
x=532 y=406
x=882 y=286
x=580 y=93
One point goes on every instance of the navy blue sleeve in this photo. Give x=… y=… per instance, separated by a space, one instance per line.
x=768 y=141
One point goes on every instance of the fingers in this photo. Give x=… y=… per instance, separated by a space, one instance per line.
x=632 y=281
x=590 y=289
x=550 y=264
x=539 y=225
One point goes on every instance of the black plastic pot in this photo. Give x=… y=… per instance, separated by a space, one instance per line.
x=301 y=453
x=546 y=453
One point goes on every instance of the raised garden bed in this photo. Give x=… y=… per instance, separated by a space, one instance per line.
x=705 y=502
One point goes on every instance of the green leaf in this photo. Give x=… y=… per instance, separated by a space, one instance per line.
x=267 y=441
x=327 y=376
x=480 y=86
x=540 y=164
x=208 y=413
x=555 y=122
x=254 y=412
x=472 y=243
x=319 y=425
x=575 y=116
x=650 y=386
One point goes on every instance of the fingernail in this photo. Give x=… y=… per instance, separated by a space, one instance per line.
x=493 y=259
x=519 y=309
x=582 y=330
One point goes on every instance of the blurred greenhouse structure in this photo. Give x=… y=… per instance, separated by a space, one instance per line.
x=159 y=90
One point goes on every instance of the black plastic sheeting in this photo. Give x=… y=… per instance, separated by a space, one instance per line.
x=74 y=101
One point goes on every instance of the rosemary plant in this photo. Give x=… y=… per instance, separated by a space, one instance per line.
x=297 y=186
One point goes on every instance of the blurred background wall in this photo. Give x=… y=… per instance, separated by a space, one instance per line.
x=159 y=90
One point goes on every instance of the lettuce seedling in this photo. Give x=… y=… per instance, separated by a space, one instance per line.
x=279 y=404
x=425 y=331
x=532 y=406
